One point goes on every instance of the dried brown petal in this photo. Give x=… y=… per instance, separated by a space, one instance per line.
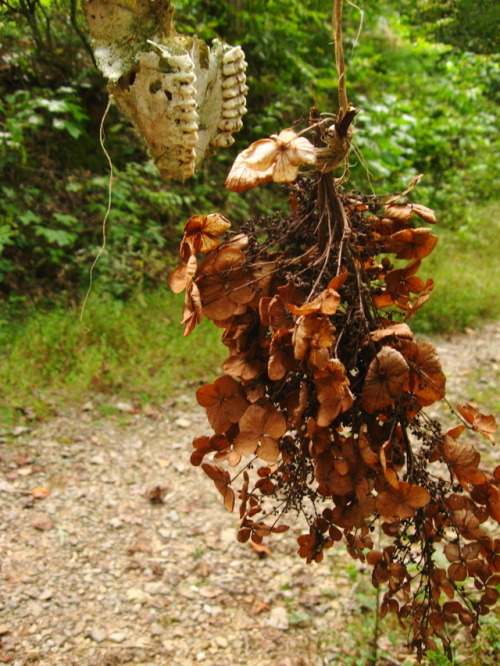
x=427 y=379
x=181 y=277
x=277 y=158
x=312 y=333
x=223 y=401
x=462 y=460
x=262 y=426
x=202 y=231
x=402 y=502
x=385 y=380
x=486 y=425
x=398 y=330
x=411 y=243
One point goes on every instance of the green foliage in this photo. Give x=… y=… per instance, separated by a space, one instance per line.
x=471 y=26
x=46 y=42
x=32 y=120
x=451 y=138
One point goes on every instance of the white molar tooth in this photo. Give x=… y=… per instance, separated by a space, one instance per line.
x=233 y=102
x=185 y=138
x=233 y=113
x=237 y=112
x=189 y=115
x=223 y=140
x=185 y=126
x=230 y=125
x=182 y=62
x=190 y=140
x=232 y=68
x=233 y=81
x=186 y=92
x=188 y=156
x=234 y=53
x=184 y=105
x=230 y=93
x=183 y=78
x=182 y=153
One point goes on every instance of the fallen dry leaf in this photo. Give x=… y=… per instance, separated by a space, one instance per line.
x=40 y=493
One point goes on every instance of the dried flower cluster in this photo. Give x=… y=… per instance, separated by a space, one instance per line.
x=320 y=407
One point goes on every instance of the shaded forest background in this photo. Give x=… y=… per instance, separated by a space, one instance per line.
x=425 y=76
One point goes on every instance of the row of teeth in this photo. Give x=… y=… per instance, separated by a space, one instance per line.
x=234 y=90
x=182 y=155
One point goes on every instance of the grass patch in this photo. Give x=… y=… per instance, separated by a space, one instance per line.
x=134 y=349
x=464 y=267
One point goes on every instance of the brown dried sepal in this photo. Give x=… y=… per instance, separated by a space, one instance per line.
x=411 y=243
x=427 y=380
x=332 y=391
x=261 y=428
x=312 y=545
x=462 y=460
x=402 y=502
x=405 y=211
x=486 y=425
x=202 y=231
x=312 y=337
x=385 y=380
x=225 y=284
x=277 y=158
x=224 y=402
x=192 y=312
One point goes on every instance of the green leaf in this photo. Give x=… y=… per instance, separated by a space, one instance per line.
x=29 y=218
x=53 y=105
x=57 y=236
x=66 y=220
x=6 y=234
x=73 y=129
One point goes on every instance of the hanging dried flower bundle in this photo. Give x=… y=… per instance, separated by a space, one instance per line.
x=320 y=410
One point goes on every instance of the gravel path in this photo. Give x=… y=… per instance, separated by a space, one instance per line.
x=97 y=574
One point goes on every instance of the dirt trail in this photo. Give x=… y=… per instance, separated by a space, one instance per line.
x=96 y=574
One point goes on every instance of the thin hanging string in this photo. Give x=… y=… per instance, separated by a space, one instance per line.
x=360 y=27
x=108 y=209
x=339 y=55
